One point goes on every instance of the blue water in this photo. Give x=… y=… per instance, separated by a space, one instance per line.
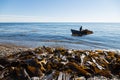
x=106 y=35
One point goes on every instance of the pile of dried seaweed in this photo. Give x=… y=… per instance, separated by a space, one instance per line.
x=45 y=63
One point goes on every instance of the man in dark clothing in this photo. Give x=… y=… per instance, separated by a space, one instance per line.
x=80 y=28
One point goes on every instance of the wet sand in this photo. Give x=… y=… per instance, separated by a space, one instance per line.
x=8 y=49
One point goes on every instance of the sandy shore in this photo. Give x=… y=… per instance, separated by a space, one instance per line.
x=8 y=49
x=53 y=63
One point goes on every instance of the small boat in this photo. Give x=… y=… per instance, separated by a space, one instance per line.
x=81 y=33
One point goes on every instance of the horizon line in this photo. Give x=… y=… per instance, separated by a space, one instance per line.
x=57 y=22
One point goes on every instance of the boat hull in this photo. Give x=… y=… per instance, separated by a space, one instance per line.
x=81 y=33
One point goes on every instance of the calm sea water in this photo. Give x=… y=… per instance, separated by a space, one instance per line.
x=106 y=35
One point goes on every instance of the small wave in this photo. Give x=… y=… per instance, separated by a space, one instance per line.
x=34 y=31
x=16 y=35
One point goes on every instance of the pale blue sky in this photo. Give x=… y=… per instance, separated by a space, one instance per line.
x=59 y=10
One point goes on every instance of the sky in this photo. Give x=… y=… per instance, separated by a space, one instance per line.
x=59 y=10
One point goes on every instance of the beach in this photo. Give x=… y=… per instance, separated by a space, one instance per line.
x=49 y=51
x=19 y=62
x=59 y=40
x=8 y=49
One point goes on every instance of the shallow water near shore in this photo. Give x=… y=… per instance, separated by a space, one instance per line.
x=105 y=36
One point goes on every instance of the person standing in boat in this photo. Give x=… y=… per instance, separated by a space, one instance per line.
x=80 y=28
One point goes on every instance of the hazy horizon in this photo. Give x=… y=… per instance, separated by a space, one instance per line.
x=60 y=11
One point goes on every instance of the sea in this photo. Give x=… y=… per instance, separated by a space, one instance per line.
x=58 y=34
